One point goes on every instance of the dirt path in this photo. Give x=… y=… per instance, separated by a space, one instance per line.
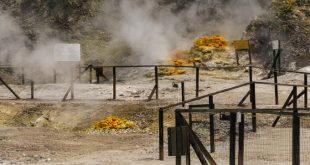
x=48 y=146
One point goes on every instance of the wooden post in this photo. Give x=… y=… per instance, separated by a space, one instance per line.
x=250 y=74
x=54 y=76
x=279 y=61
x=237 y=57
x=250 y=54
x=188 y=153
x=80 y=73
x=178 y=158
x=190 y=119
x=253 y=101
x=232 y=139
x=161 y=133
x=98 y=75
x=276 y=92
x=211 y=120
x=72 y=85
x=23 y=75
x=90 y=74
x=274 y=60
x=241 y=141
x=296 y=131
x=32 y=89
x=156 y=82
x=114 y=82
x=306 y=90
x=183 y=93
x=9 y=88
x=197 y=81
x=279 y=58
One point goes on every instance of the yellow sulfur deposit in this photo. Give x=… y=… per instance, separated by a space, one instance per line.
x=216 y=41
x=113 y=122
x=203 y=50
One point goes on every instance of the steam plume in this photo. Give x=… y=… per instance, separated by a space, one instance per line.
x=152 y=29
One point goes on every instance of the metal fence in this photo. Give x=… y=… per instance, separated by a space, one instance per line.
x=236 y=142
x=286 y=141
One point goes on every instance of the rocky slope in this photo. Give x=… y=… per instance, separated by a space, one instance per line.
x=289 y=22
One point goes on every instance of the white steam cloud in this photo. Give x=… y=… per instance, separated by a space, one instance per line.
x=17 y=50
x=152 y=30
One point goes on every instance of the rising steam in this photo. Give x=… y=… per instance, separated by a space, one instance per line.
x=17 y=50
x=152 y=29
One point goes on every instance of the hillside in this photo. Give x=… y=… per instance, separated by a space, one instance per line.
x=65 y=20
x=87 y=22
x=289 y=22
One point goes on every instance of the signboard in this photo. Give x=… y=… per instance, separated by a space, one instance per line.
x=275 y=44
x=241 y=44
x=67 y=52
x=178 y=141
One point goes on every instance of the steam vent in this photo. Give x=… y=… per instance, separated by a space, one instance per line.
x=154 y=82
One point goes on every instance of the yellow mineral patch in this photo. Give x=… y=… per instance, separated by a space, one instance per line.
x=216 y=41
x=204 y=49
x=113 y=122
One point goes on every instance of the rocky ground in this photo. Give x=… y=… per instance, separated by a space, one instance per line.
x=48 y=131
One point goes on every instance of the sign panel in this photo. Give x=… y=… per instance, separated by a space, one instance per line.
x=241 y=44
x=67 y=52
x=275 y=44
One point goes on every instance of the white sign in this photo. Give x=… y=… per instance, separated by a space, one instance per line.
x=67 y=52
x=275 y=44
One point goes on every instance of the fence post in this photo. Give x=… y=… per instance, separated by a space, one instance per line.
x=237 y=58
x=296 y=131
x=232 y=139
x=188 y=153
x=306 y=90
x=23 y=75
x=211 y=120
x=114 y=82
x=32 y=89
x=249 y=52
x=72 y=85
x=241 y=141
x=253 y=101
x=178 y=157
x=183 y=92
x=54 y=76
x=156 y=82
x=90 y=74
x=276 y=92
x=197 y=81
x=161 y=133
x=250 y=74
x=80 y=72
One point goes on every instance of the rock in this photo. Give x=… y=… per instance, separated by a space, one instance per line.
x=232 y=55
x=305 y=69
x=292 y=66
x=211 y=64
x=41 y=121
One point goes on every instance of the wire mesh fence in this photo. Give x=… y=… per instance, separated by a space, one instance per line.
x=286 y=143
x=269 y=145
